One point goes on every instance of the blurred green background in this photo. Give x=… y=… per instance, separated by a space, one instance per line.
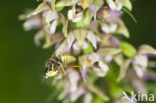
x=22 y=63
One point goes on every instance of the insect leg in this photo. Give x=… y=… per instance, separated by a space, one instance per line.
x=62 y=67
x=74 y=66
x=52 y=67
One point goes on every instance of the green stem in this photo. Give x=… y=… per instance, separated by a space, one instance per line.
x=53 y=5
x=133 y=18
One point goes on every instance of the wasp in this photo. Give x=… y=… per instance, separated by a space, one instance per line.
x=57 y=64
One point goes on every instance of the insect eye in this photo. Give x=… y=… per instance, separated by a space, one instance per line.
x=45 y=71
x=78 y=9
x=48 y=66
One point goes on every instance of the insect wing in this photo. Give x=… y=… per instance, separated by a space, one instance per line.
x=62 y=48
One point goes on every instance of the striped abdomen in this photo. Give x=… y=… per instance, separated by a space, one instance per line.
x=66 y=58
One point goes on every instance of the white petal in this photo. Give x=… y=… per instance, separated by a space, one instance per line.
x=115 y=5
x=71 y=14
x=92 y=38
x=119 y=7
x=112 y=5
x=105 y=28
x=113 y=27
x=99 y=72
x=109 y=28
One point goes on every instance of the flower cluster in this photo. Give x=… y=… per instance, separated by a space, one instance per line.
x=88 y=30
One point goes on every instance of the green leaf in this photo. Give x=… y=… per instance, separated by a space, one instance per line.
x=115 y=91
x=97 y=99
x=59 y=8
x=127 y=4
x=40 y=8
x=122 y=29
x=88 y=50
x=128 y=49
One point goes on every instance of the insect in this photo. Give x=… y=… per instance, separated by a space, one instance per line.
x=58 y=62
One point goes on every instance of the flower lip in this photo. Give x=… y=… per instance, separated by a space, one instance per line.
x=109 y=27
x=75 y=17
x=79 y=9
x=101 y=69
x=115 y=5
